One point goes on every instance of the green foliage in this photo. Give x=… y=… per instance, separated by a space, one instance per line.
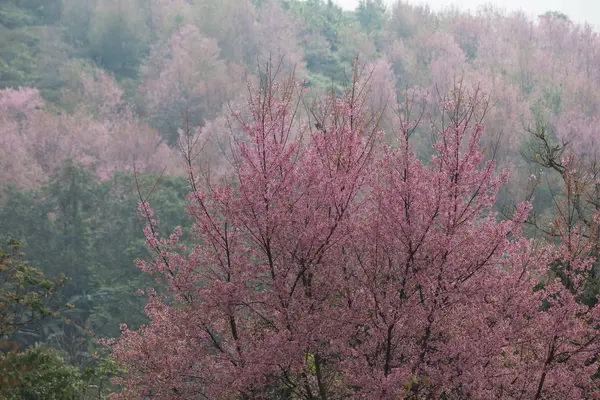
x=319 y=16
x=52 y=56
x=119 y=36
x=25 y=292
x=22 y=58
x=26 y=296
x=69 y=197
x=15 y=13
x=30 y=53
x=540 y=115
x=90 y=231
x=76 y=18
x=322 y=84
x=330 y=36
x=39 y=373
x=11 y=16
x=18 y=49
x=117 y=231
x=544 y=109
x=552 y=98
x=371 y=15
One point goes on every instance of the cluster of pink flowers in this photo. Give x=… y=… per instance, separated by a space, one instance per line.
x=329 y=265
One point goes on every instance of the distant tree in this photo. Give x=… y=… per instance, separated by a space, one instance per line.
x=100 y=95
x=76 y=18
x=17 y=56
x=371 y=15
x=102 y=133
x=284 y=46
x=407 y=19
x=39 y=12
x=119 y=36
x=382 y=97
x=467 y=30
x=167 y=16
x=186 y=74
x=17 y=164
x=353 y=42
x=232 y=24
x=555 y=15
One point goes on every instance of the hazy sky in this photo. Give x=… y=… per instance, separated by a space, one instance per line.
x=577 y=10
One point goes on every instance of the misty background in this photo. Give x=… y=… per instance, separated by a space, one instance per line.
x=579 y=11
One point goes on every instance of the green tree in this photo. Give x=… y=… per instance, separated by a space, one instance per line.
x=117 y=232
x=17 y=55
x=21 y=30
x=15 y=13
x=119 y=36
x=25 y=292
x=371 y=15
x=27 y=296
x=39 y=373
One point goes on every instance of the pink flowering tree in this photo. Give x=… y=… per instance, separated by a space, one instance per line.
x=101 y=133
x=328 y=265
x=100 y=95
x=17 y=165
x=185 y=74
x=382 y=95
x=271 y=17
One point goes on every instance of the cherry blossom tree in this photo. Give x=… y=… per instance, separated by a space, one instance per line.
x=16 y=164
x=185 y=74
x=232 y=24
x=100 y=95
x=169 y=15
x=101 y=133
x=284 y=46
x=382 y=95
x=329 y=265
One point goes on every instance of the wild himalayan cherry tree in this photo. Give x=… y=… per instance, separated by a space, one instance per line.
x=329 y=265
x=185 y=74
x=102 y=133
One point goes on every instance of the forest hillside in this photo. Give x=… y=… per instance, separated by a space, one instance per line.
x=348 y=154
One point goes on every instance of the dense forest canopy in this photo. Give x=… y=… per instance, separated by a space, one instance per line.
x=108 y=107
